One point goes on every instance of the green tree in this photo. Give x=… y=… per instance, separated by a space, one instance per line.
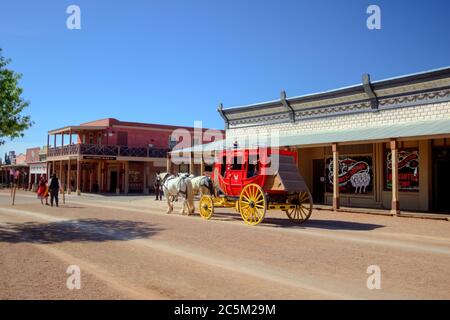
x=12 y=122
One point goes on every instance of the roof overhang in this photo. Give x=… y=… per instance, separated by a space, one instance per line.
x=406 y=131
x=75 y=129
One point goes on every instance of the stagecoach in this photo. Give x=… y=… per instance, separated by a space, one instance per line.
x=253 y=181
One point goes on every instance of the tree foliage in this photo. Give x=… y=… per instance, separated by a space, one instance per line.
x=12 y=122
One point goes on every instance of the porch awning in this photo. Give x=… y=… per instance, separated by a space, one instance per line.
x=75 y=129
x=418 y=129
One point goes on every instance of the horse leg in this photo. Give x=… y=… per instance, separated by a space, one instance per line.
x=183 y=207
x=169 y=205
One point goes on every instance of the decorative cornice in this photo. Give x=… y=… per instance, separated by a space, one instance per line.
x=344 y=109
x=410 y=90
x=416 y=99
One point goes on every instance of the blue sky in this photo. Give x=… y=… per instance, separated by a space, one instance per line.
x=174 y=61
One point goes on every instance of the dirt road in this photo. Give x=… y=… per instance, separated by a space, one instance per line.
x=128 y=248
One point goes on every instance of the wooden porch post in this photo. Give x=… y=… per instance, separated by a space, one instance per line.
x=30 y=186
x=61 y=175
x=91 y=178
x=191 y=163
x=202 y=165
x=336 y=203
x=169 y=163
x=69 y=186
x=99 y=172
x=126 y=180
x=102 y=176
x=395 y=207
x=119 y=179
x=145 y=187
x=78 y=176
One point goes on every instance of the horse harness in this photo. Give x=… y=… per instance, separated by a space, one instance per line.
x=169 y=177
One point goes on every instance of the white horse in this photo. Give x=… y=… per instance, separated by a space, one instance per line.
x=177 y=186
x=202 y=185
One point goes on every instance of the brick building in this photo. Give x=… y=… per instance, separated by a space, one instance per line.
x=360 y=129
x=109 y=155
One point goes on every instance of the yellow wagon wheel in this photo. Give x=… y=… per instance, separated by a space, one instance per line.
x=206 y=207
x=303 y=208
x=252 y=204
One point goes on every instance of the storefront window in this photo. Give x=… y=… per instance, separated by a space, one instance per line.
x=408 y=170
x=355 y=174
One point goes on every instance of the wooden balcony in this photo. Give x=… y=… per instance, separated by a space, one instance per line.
x=106 y=151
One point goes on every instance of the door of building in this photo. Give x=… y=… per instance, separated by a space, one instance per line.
x=113 y=181
x=441 y=180
x=318 y=180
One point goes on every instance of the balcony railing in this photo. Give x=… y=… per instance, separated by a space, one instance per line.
x=105 y=150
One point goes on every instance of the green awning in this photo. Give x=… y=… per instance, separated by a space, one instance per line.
x=410 y=130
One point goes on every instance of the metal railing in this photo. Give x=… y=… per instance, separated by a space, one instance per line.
x=107 y=150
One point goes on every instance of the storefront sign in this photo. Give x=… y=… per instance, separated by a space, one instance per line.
x=98 y=158
x=40 y=168
x=408 y=170
x=355 y=174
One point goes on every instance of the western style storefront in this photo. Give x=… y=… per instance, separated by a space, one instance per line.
x=80 y=172
x=100 y=167
x=361 y=130
x=112 y=156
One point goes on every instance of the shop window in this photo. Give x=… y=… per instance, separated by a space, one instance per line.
x=408 y=170
x=355 y=174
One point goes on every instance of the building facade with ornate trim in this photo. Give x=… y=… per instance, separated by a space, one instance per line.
x=362 y=128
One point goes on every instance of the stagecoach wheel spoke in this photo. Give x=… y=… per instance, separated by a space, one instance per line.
x=258 y=213
x=302 y=210
x=252 y=204
x=206 y=207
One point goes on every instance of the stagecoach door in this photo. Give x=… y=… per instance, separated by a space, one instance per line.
x=318 y=180
x=236 y=172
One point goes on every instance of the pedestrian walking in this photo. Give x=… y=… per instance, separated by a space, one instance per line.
x=42 y=191
x=53 y=186
x=158 y=187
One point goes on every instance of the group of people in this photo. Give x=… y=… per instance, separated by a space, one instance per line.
x=46 y=188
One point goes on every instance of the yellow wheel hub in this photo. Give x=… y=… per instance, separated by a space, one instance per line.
x=206 y=207
x=302 y=210
x=252 y=204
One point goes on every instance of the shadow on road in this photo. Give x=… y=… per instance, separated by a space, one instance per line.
x=311 y=223
x=76 y=231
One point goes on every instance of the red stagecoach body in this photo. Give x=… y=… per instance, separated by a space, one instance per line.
x=234 y=169
x=252 y=182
